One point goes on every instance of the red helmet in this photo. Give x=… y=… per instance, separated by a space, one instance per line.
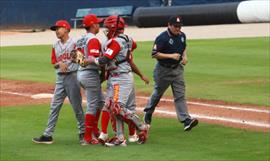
x=114 y=24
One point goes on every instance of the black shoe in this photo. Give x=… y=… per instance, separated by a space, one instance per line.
x=147 y=118
x=43 y=140
x=81 y=136
x=190 y=123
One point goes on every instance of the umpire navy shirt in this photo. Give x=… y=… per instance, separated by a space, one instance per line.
x=168 y=43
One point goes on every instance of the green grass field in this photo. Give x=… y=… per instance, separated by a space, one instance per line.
x=232 y=70
x=167 y=141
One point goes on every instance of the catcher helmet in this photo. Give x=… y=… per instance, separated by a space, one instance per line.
x=115 y=24
x=61 y=23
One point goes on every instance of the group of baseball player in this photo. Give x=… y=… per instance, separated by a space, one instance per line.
x=112 y=61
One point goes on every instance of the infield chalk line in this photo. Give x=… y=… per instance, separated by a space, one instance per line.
x=237 y=121
x=214 y=105
x=243 y=122
x=18 y=94
x=49 y=95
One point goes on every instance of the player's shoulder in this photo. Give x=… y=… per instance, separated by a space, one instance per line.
x=183 y=34
x=164 y=36
x=72 y=40
x=123 y=38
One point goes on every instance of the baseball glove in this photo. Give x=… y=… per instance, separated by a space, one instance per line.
x=78 y=57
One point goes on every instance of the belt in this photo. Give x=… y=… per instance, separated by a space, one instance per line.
x=171 y=66
x=67 y=73
x=117 y=74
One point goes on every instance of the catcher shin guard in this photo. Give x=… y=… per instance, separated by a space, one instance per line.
x=133 y=121
x=129 y=117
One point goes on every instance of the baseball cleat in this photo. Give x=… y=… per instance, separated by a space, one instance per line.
x=143 y=135
x=94 y=141
x=103 y=138
x=190 y=123
x=43 y=140
x=133 y=138
x=81 y=138
x=116 y=142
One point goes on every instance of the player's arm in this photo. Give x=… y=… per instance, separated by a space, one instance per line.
x=184 y=60
x=93 y=50
x=112 y=50
x=137 y=71
x=63 y=67
x=160 y=55
x=157 y=53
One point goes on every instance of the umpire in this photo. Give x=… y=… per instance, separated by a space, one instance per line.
x=170 y=51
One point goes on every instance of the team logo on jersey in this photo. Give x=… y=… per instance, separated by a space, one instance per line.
x=109 y=51
x=171 y=41
x=182 y=39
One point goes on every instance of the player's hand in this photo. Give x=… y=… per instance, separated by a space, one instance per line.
x=145 y=79
x=184 y=60
x=63 y=67
x=175 y=56
x=89 y=60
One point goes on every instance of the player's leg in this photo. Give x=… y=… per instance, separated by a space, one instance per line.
x=89 y=80
x=72 y=88
x=105 y=114
x=131 y=106
x=161 y=84
x=119 y=97
x=178 y=88
x=119 y=108
x=56 y=104
x=98 y=113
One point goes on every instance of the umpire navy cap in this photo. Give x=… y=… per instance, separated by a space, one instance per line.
x=176 y=20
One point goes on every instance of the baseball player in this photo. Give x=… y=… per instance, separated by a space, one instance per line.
x=66 y=82
x=105 y=117
x=120 y=80
x=170 y=51
x=89 y=78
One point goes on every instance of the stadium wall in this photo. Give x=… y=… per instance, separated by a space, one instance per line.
x=205 y=14
x=43 y=13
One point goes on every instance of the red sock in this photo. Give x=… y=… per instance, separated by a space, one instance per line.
x=96 y=130
x=89 y=124
x=105 y=118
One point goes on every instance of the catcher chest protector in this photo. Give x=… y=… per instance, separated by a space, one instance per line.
x=120 y=63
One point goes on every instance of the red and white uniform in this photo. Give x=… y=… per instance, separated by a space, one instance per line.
x=91 y=47
x=118 y=49
x=61 y=52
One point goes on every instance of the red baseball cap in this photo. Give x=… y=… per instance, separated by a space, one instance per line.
x=91 y=19
x=61 y=23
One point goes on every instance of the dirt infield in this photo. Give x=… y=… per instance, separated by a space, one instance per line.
x=251 y=117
